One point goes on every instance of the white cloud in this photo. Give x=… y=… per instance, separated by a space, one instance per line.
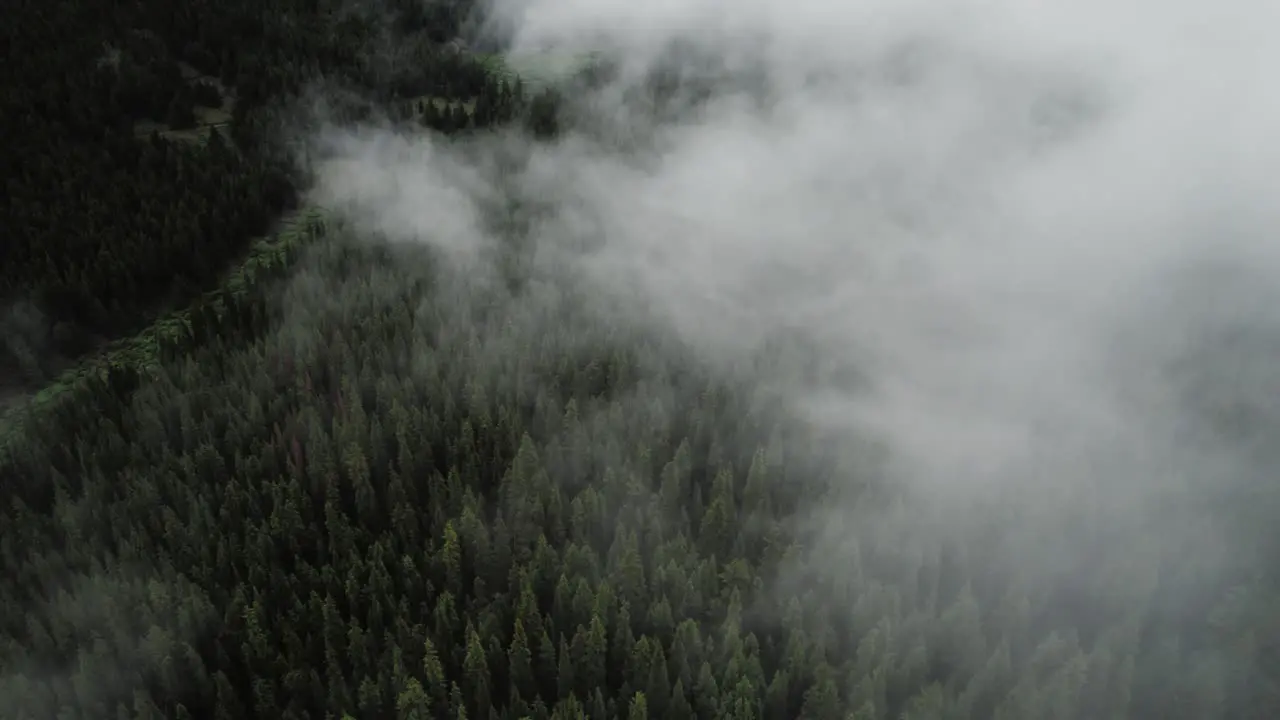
x=994 y=209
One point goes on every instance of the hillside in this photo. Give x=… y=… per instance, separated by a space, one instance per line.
x=73 y=292
x=106 y=232
x=301 y=460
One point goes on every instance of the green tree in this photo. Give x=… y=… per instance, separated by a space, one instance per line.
x=638 y=708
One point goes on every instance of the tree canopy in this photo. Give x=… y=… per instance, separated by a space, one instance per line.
x=359 y=484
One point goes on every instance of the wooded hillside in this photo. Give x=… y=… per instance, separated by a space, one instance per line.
x=366 y=485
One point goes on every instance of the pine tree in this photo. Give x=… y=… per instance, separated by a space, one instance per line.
x=475 y=670
x=413 y=703
x=520 y=663
x=638 y=709
x=822 y=700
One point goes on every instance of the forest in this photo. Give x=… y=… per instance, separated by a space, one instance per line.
x=356 y=483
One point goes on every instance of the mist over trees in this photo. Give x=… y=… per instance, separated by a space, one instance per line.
x=442 y=457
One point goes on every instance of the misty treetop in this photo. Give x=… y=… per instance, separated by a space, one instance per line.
x=381 y=489
x=367 y=482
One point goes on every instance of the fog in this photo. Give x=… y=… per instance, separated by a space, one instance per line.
x=1025 y=229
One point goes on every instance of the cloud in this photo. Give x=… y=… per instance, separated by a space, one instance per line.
x=1017 y=224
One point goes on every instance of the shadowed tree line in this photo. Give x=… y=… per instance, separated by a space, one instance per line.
x=103 y=227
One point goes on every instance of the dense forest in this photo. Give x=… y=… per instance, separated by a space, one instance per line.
x=112 y=215
x=367 y=485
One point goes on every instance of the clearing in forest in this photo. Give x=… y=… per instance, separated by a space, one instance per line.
x=206 y=118
x=537 y=69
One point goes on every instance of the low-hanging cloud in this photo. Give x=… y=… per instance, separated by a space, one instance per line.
x=1016 y=222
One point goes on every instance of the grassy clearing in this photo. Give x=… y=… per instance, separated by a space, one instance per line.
x=198 y=134
x=206 y=118
x=496 y=64
x=537 y=69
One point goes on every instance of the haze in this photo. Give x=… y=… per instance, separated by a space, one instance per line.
x=1013 y=234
